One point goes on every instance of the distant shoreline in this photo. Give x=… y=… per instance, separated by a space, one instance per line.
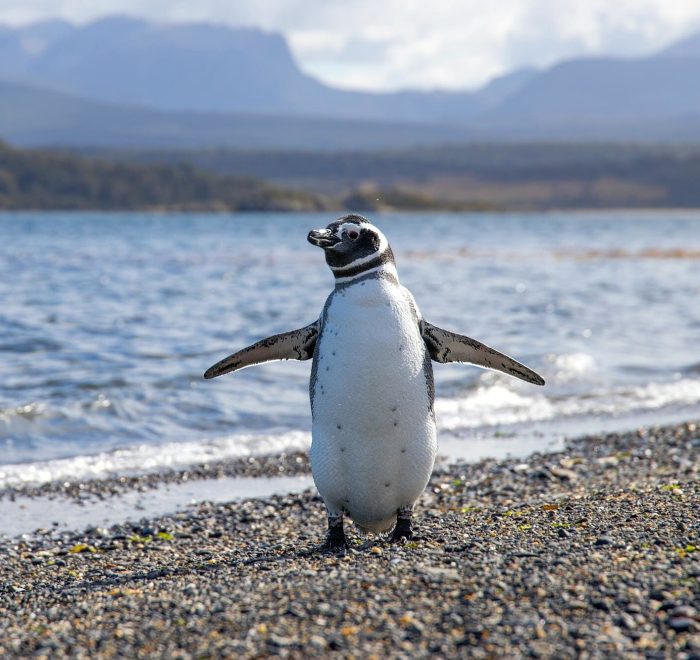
x=376 y=212
x=473 y=178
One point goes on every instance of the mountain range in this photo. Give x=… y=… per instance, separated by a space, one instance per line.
x=126 y=82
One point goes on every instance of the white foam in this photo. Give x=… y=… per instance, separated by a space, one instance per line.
x=26 y=411
x=571 y=366
x=148 y=458
x=491 y=405
x=658 y=395
x=498 y=401
x=497 y=404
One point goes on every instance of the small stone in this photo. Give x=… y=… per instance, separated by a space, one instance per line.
x=296 y=610
x=627 y=621
x=683 y=611
x=567 y=463
x=603 y=540
x=564 y=474
x=682 y=624
x=375 y=550
x=660 y=595
x=577 y=604
x=439 y=574
x=669 y=605
x=280 y=641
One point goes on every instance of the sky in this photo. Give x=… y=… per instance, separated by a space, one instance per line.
x=414 y=44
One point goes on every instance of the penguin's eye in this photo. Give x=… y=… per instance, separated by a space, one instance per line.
x=353 y=235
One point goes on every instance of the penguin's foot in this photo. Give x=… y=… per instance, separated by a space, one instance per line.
x=335 y=538
x=404 y=525
x=335 y=541
x=403 y=530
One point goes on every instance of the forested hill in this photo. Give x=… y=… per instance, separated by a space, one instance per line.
x=477 y=177
x=49 y=180
x=527 y=176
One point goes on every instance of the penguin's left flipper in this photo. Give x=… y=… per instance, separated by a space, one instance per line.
x=294 y=345
x=446 y=346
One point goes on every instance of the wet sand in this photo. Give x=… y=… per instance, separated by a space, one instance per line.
x=589 y=552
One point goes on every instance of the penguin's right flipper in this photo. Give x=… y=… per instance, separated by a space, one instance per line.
x=293 y=345
x=446 y=346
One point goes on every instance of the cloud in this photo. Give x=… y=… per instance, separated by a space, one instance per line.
x=413 y=43
x=550 y=30
x=463 y=44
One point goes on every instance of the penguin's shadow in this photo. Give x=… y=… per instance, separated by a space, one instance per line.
x=358 y=545
x=317 y=550
x=289 y=554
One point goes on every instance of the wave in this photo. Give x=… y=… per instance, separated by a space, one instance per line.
x=144 y=458
x=499 y=405
x=571 y=366
x=27 y=411
x=494 y=401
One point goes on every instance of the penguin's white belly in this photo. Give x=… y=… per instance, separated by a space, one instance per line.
x=373 y=432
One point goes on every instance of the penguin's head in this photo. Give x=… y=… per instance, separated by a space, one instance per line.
x=352 y=244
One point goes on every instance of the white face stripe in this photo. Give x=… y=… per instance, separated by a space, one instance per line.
x=383 y=245
x=347 y=226
x=387 y=268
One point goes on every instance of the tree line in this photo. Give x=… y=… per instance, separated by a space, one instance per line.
x=42 y=179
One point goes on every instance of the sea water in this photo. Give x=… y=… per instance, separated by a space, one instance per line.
x=107 y=322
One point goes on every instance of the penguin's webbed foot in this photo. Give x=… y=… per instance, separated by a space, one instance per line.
x=335 y=541
x=404 y=525
x=335 y=538
x=403 y=530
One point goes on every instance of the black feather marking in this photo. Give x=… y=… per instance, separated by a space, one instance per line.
x=445 y=346
x=270 y=349
x=316 y=349
x=377 y=275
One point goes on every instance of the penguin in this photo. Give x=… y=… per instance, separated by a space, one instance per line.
x=372 y=392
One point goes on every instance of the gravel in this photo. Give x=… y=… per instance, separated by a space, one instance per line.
x=591 y=552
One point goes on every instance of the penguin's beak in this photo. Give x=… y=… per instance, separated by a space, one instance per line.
x=322 y=238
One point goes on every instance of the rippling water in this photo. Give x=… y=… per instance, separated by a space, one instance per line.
x=108 y=321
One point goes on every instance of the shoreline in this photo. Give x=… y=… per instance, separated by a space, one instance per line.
x=593 y=550
x=286 y=464
x=387 y=211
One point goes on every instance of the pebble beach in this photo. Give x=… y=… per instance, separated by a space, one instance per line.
x=592 y=552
